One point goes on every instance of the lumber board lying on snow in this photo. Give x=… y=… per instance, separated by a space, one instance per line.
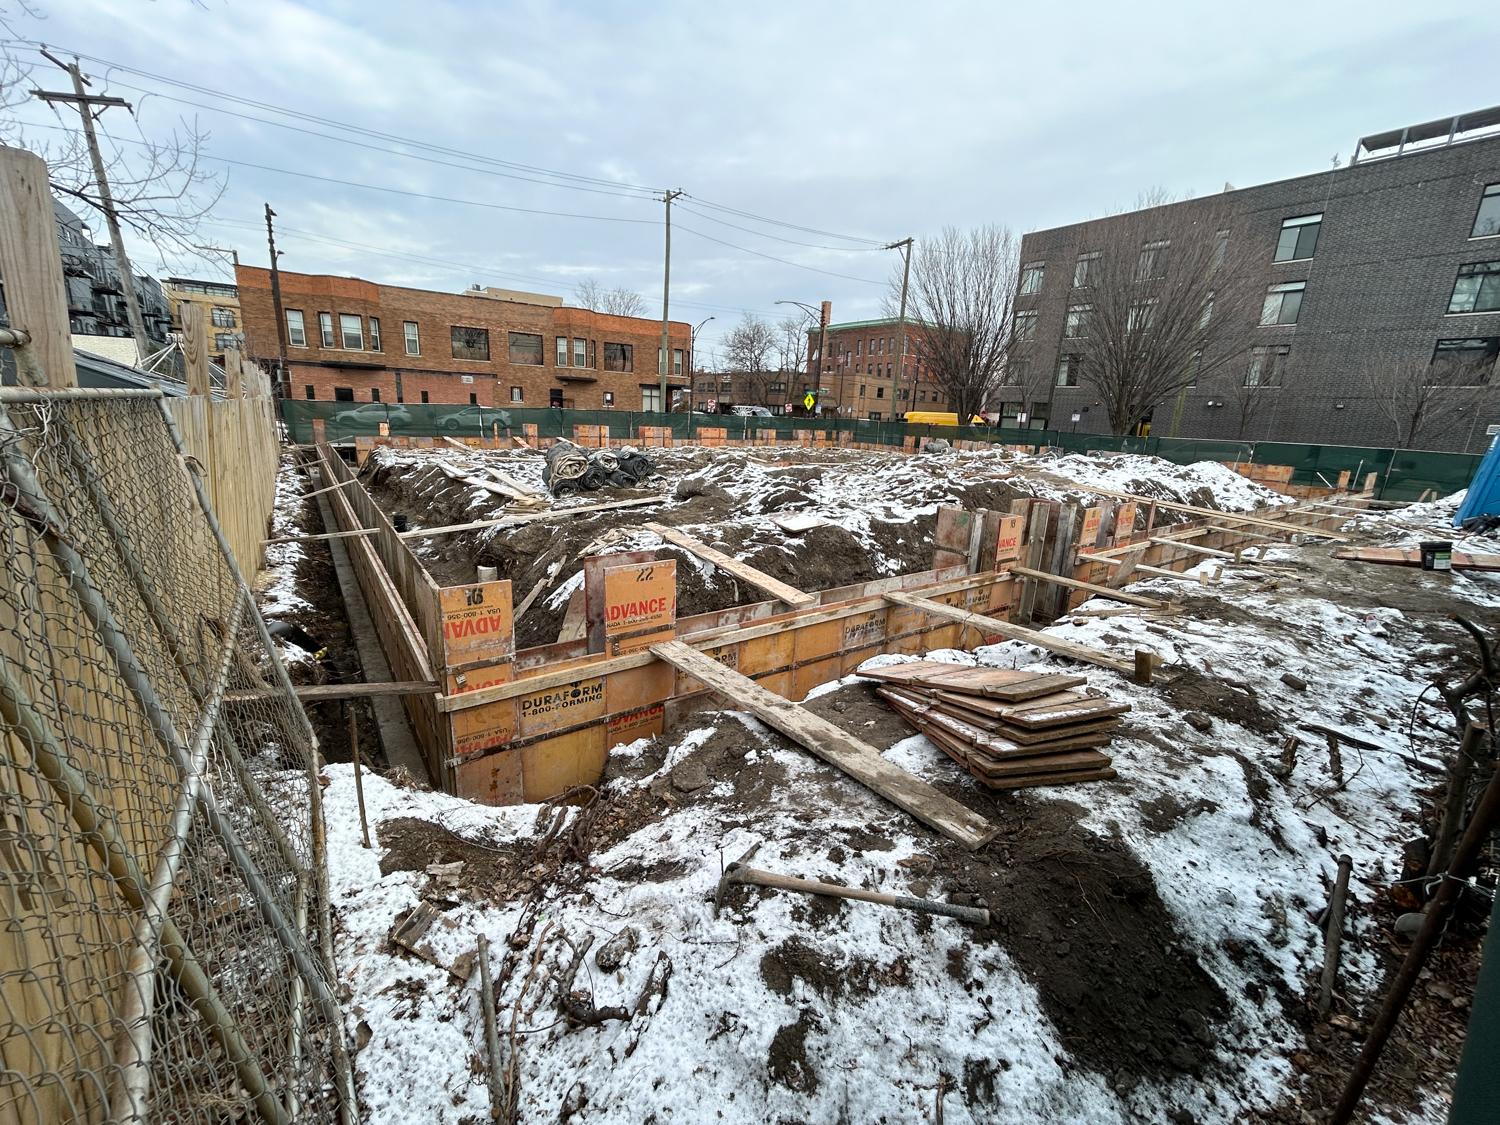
x=1011 y=685
x=835 y=746
x=990 y=625
x=1396 y=556
x=743 y=571
x=920 y=712
x=1090 y=587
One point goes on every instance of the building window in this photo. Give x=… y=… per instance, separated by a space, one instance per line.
x=1031 y=278
x=413 y=341
x=580 y=352
x=1299 y=238
x=343 y=394
x=1084 y=271
x=1067 y=370
x=296 y=331
x=1465 y=358
x=859 y=347
x=1221 y=249
x=619 y=357
x=1142 y=315
x=650 y=396
x=1283 y=303
x=325 y=329
x=1477 y=288
x=922 y=395
x=1016 y=371
x=562 y=351
x=525 y=348
x=517 y=394
x=1267 y=366
x=352 y=332
x=880 y=392
x=474 y=343
x=1010 y=415
x=1077 y=325
x=374 y=394
x=775 y=389
x=1025 y=326
x=223 y=340
x=874 y=415
x=1208 y=311
x=473 y=399
x=677 y=362
x=861 y=390
x=424 y=396
x=1153 y=261
x=221 y=318
x=375 y=334
x=1487 y=222
x=311 y=392
x=609 y=398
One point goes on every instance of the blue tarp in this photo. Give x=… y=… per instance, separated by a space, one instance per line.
x=1483 y=498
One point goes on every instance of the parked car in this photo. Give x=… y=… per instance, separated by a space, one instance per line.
x=366 y=417
x=750 y=412
x=474 y=421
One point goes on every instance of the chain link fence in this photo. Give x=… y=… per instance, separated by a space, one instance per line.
x=165 y=952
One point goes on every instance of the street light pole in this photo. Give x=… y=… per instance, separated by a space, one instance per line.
x=693 y=362
x=816 y=369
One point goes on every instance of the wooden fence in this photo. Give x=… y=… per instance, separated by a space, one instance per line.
x=235 y=441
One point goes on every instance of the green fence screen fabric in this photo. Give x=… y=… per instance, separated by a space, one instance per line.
x=1401 y=474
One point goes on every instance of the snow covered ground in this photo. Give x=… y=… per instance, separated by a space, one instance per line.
x=876 y=1023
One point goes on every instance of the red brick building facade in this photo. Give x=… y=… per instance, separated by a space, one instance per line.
x=860 y=375
x=355 y=340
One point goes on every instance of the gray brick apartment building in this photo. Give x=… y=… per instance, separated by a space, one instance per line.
x=1394 y=255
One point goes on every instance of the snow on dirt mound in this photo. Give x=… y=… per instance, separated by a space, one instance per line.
x=1206 y=484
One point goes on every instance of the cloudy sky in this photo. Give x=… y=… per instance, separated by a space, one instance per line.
x=525 y=145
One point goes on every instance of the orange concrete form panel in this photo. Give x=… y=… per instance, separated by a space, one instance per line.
x=552 y=765
x=640 y=596
x=766 y=654
x=552 y=708
x=1008 y=542
x=727 y=655
x=476 y=623
x=1090 y=532
x=1124 y=522
x=638 y=642
x=646 y=723
x=863 y=629
x=492 y=780
x=635 y=688
x=594 y=594
x=482 y=728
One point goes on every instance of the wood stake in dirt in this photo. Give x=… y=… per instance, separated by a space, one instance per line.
x=1335 y=934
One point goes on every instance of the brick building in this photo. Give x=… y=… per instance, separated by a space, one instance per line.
x=859 y=373
x=1395 y=255
x=360 y=341
x=221 y=311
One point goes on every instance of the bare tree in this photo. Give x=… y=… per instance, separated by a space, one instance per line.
x=791 y=345
x=1160 y=298
x=1417 y=396
x=962 y=295
x=612 y=302
x=1256 y=387
x=751 y=354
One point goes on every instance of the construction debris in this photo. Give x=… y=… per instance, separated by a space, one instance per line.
x=1010 y=729
x=570 y=468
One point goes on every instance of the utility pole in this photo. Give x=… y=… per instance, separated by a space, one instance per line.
x=282 y=378
x=83 y=101
x=666 y=292
x=905 y=247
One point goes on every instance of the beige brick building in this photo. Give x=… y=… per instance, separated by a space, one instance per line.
x=360 y=341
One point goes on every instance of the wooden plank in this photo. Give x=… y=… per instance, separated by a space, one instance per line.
x=529 y=517
x=1210 y=513
x=1395 y=556
x=31 y=264
x=743 y=571
x=1009 y=685
x=1014 y=632
x=575 y=623
x=836 y=747
x=355 y=534
x=1099 y=591
x=1036 y=539
x=195 y=348
x=314 y=692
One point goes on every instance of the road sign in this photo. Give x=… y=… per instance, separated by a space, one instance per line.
x=809 y=400
x=711 y=405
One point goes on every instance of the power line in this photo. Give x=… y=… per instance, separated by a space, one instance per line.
x=874 y=243
x=778 y=238
x=783 y=261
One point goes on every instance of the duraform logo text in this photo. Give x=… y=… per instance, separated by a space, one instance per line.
x=563 y=700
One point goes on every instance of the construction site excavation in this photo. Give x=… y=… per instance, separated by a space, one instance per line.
x=799 y=782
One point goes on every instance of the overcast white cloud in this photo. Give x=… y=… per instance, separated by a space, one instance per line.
x=877 y=120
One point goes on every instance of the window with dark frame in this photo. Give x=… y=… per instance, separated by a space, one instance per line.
x=375 y=334
x=473 y=399
x=1487 y=220
x=1084 y=270
x=296 y=331
x=1025 y=325
x=374 y=394
x=343 y=394
x=1152 y=264
x=424 y=396
x=1077 y=325
x=1468 y=358
x=517 y=394
x=619 y=357
x=311 y=391
x=1476 y=289
x=1283 y=304
x=609 y=398
x=221 y=318
x=473 y=343
x=1067 y=370
x=1267 y=366
x=1299 y=238
x=1032 y=274
x=1142 y=315
x=525 y=348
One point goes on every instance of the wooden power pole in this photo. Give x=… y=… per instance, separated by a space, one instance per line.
x=283 y=380
x=666 y=288
x=84 y=101
x=905 y=247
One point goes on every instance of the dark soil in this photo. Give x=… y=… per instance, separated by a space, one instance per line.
x=1193 y=691
x=325 y=621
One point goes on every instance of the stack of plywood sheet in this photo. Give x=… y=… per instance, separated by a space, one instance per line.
x=1010 y=729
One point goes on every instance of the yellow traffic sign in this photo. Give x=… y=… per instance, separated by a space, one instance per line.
x=809 y=400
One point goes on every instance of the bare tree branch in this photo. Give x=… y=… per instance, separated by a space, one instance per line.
x=1418 y=397
x=612 y=302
